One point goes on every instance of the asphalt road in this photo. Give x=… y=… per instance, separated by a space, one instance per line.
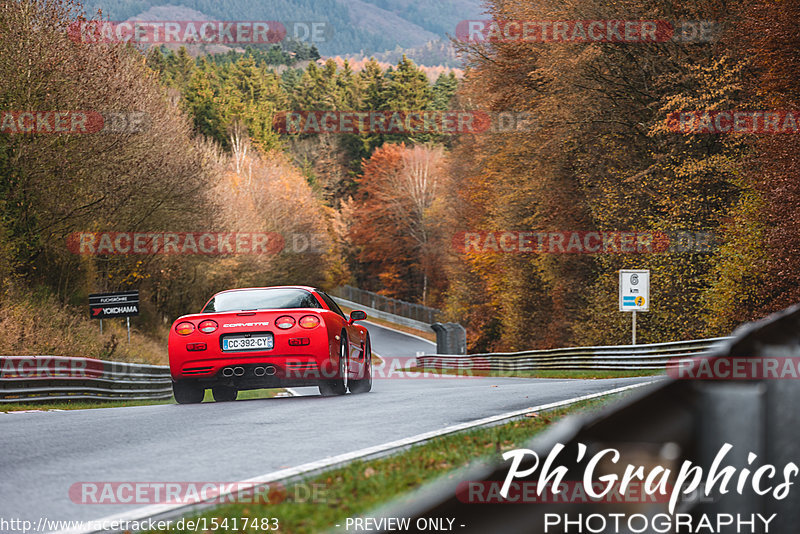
x=43 y=454
x=392 y=343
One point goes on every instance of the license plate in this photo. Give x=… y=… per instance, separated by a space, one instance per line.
x=254 y=342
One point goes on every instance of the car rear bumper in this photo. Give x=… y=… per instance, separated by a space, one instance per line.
x=253 y=371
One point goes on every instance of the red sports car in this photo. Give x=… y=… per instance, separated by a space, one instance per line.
x=269 y=337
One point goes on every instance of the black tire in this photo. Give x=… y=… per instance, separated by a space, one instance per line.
x=224 y=393
x=186 y=392
x=364 y=385
x=337 y=386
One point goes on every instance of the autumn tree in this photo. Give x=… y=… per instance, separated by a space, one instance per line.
x=396 y=227
x=767 y=35
x=593 y=160
x=141 y=178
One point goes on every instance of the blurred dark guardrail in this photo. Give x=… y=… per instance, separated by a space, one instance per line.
x=630 y=357
x=672 y=422
x=46 y=378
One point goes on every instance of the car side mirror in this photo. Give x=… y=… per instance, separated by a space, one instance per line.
x=357 y=315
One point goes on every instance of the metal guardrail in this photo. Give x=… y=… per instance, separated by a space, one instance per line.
x=48 y=378
x=621 y=357
x=377 y=314
x=417 y=312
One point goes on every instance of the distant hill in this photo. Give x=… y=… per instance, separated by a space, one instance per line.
x=360 y=27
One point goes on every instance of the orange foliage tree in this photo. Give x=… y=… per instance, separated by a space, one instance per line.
x=396 y=229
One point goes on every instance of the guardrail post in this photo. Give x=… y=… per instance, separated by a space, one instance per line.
x=441 y=338
x=451 y=338
x=458 y=338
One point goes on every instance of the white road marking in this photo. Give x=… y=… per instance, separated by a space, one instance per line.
x=31 y=411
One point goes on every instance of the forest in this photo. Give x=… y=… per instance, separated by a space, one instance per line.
x=387 y=210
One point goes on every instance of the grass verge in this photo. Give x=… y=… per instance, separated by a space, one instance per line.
x=38 y=324
x=362 y=486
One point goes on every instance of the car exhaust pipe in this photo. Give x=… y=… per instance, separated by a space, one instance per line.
x=259 y=371
x=270 y=370
x=238 y=371
x=227 y=372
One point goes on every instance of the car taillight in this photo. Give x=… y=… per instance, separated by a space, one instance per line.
x=208 y=326
x=185 y=328
x=284 y=322
x=309 y=321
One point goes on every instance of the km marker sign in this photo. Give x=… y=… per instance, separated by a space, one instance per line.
x=634 y=294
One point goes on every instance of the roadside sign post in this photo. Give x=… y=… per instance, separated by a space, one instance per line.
x=110 y=305
x=634 y=295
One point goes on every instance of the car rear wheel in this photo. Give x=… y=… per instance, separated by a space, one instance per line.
x=364 y=385
x=224 y=393
x=337 y=386
x=187 y=392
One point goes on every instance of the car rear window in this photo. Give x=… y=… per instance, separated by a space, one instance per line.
x=262 y=299
x=331 y=303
